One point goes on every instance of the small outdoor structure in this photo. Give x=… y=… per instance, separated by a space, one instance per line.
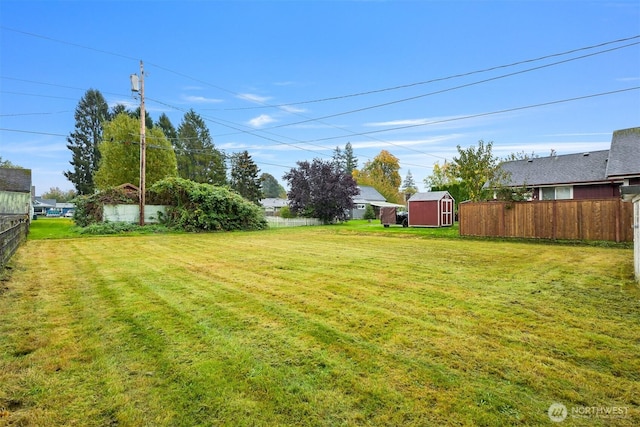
x=389 y=214
x=431 y=209
x=631 y=193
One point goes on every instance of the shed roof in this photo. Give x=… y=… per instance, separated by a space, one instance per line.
x=429 y=196
x=15 y=179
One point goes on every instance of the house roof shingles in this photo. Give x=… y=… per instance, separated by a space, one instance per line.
x=368 y=194
x=15 y=179
x=620 y=161
x=624 y=155
x=565 y=169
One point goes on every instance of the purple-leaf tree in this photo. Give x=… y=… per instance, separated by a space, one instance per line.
x=321 y=190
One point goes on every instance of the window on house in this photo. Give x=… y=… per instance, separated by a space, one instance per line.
x=361 y=206
x=557 y=193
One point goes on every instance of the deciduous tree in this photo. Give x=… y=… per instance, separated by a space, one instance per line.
x=90 y=114
x=475 y=166
x=59 y=195
x=383 y=174
x=120 y=150
x=321 y=189
x=8 y=164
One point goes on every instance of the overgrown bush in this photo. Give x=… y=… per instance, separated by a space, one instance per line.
x=88 y=209
x=203 y=207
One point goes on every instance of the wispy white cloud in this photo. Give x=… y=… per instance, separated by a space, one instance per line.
x=293 y=110
x=128 y=103
x=261 y=120
x=628 y=79
x=428 y=143
x=254 y=98
x=405 y=122
x=201 y=99
x=286 y=83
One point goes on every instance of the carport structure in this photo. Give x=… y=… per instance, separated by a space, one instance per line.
x=388 y=212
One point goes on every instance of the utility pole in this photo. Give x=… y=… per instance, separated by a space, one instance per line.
x=138 y=86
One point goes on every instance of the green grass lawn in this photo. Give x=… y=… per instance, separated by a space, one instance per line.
x=52 y=228
x=335 y=325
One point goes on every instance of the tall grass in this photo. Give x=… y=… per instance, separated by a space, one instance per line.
x=316 y=326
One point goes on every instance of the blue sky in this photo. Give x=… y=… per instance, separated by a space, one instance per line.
x=291 y=80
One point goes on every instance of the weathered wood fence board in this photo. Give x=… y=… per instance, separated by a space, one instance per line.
x=14 y=230
x=609 y=219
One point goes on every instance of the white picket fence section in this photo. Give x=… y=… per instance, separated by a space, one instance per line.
x=276 y=222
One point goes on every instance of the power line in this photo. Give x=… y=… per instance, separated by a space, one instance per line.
x=35 y=94
x=53 y=85
x=32 y=132
x=32 y=114
x=473 y=116
x=412 y=98
x=307 y=119
x=106 y=52
x=439 y=79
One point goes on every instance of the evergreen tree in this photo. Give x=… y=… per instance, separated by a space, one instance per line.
x=345 y=159
x=117 y=109
x=350 y=160
x=198 y=159
x=271 y=188
x=167 y=127
x=244 y=177
x=91 y=112
x=338 y=158
x=148 y=122
x=409 y=185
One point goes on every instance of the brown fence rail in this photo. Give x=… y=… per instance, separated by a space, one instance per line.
x=609 y=219
x=14 y=231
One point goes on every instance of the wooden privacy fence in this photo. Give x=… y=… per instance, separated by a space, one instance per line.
x=610 y=219
x=14 y=231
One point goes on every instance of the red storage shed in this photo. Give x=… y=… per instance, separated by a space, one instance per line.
x=431 y=209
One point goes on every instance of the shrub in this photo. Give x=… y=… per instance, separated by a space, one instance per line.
x=285 y=212
x=369 y=213
x=204 y=207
